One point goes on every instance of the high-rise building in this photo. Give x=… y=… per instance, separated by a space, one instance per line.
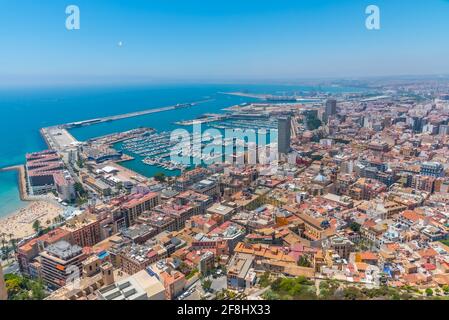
x=85 y=229
x=331 y=108
x=207 y=262
x=60 y=262
x=443 y=130
x=418 y=124
x=27 y=252
x=284 y=128
x=3 y=293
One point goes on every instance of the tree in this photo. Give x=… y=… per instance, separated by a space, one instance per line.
x=37 y=226
x=80 y=163
x=13 y=242
x=304 y=262
x=328 y=288
x=192 y=273
x=206 y=284
x=160 y=177
x=299 y=288
x=37 y=290
x=276 y=284
x=13 y=284
x=22 y=288
x=4 y=242
x=230 y=294
x=354 y=226
x=79 y=189
x=264 y=280
x=58 y=219
x=446 y=289
x=352 y=293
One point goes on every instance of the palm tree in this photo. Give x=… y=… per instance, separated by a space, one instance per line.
x=4 y=242
x=12 y=242
x=37 y=226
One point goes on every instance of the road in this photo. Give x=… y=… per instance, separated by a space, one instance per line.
x=218 y=284
x=12 y=268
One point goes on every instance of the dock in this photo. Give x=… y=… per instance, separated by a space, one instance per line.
x=58 y=138
x=131 y=114
x=206 y=119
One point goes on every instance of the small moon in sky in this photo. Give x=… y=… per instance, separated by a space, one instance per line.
x=120 y=44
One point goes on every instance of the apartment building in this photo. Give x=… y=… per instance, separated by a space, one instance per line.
x=60 y=262
x=84 y=229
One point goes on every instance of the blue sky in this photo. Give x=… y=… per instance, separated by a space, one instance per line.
x=215 y=40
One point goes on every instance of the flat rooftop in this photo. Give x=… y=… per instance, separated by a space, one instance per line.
x=64 y=250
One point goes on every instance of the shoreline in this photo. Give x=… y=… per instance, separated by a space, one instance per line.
x=19 y=223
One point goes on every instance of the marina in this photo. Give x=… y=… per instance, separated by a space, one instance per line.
x=156 y=149
x=245 y=124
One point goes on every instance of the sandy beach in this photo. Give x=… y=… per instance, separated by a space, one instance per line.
x=20 y=223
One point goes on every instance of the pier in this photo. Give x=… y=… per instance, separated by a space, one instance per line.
x=206 y=119
x=131 y=114
x=58 y=138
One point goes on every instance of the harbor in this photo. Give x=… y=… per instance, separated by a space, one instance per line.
x=156 y=149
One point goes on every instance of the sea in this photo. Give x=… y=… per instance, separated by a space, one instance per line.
x=26 y=110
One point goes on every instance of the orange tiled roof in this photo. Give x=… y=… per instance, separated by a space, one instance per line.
x=411 y=215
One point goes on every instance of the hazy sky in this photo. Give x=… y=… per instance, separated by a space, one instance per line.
x=220 y=40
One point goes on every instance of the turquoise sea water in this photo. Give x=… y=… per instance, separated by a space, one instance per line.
x=25 y=111
x=9 y=195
